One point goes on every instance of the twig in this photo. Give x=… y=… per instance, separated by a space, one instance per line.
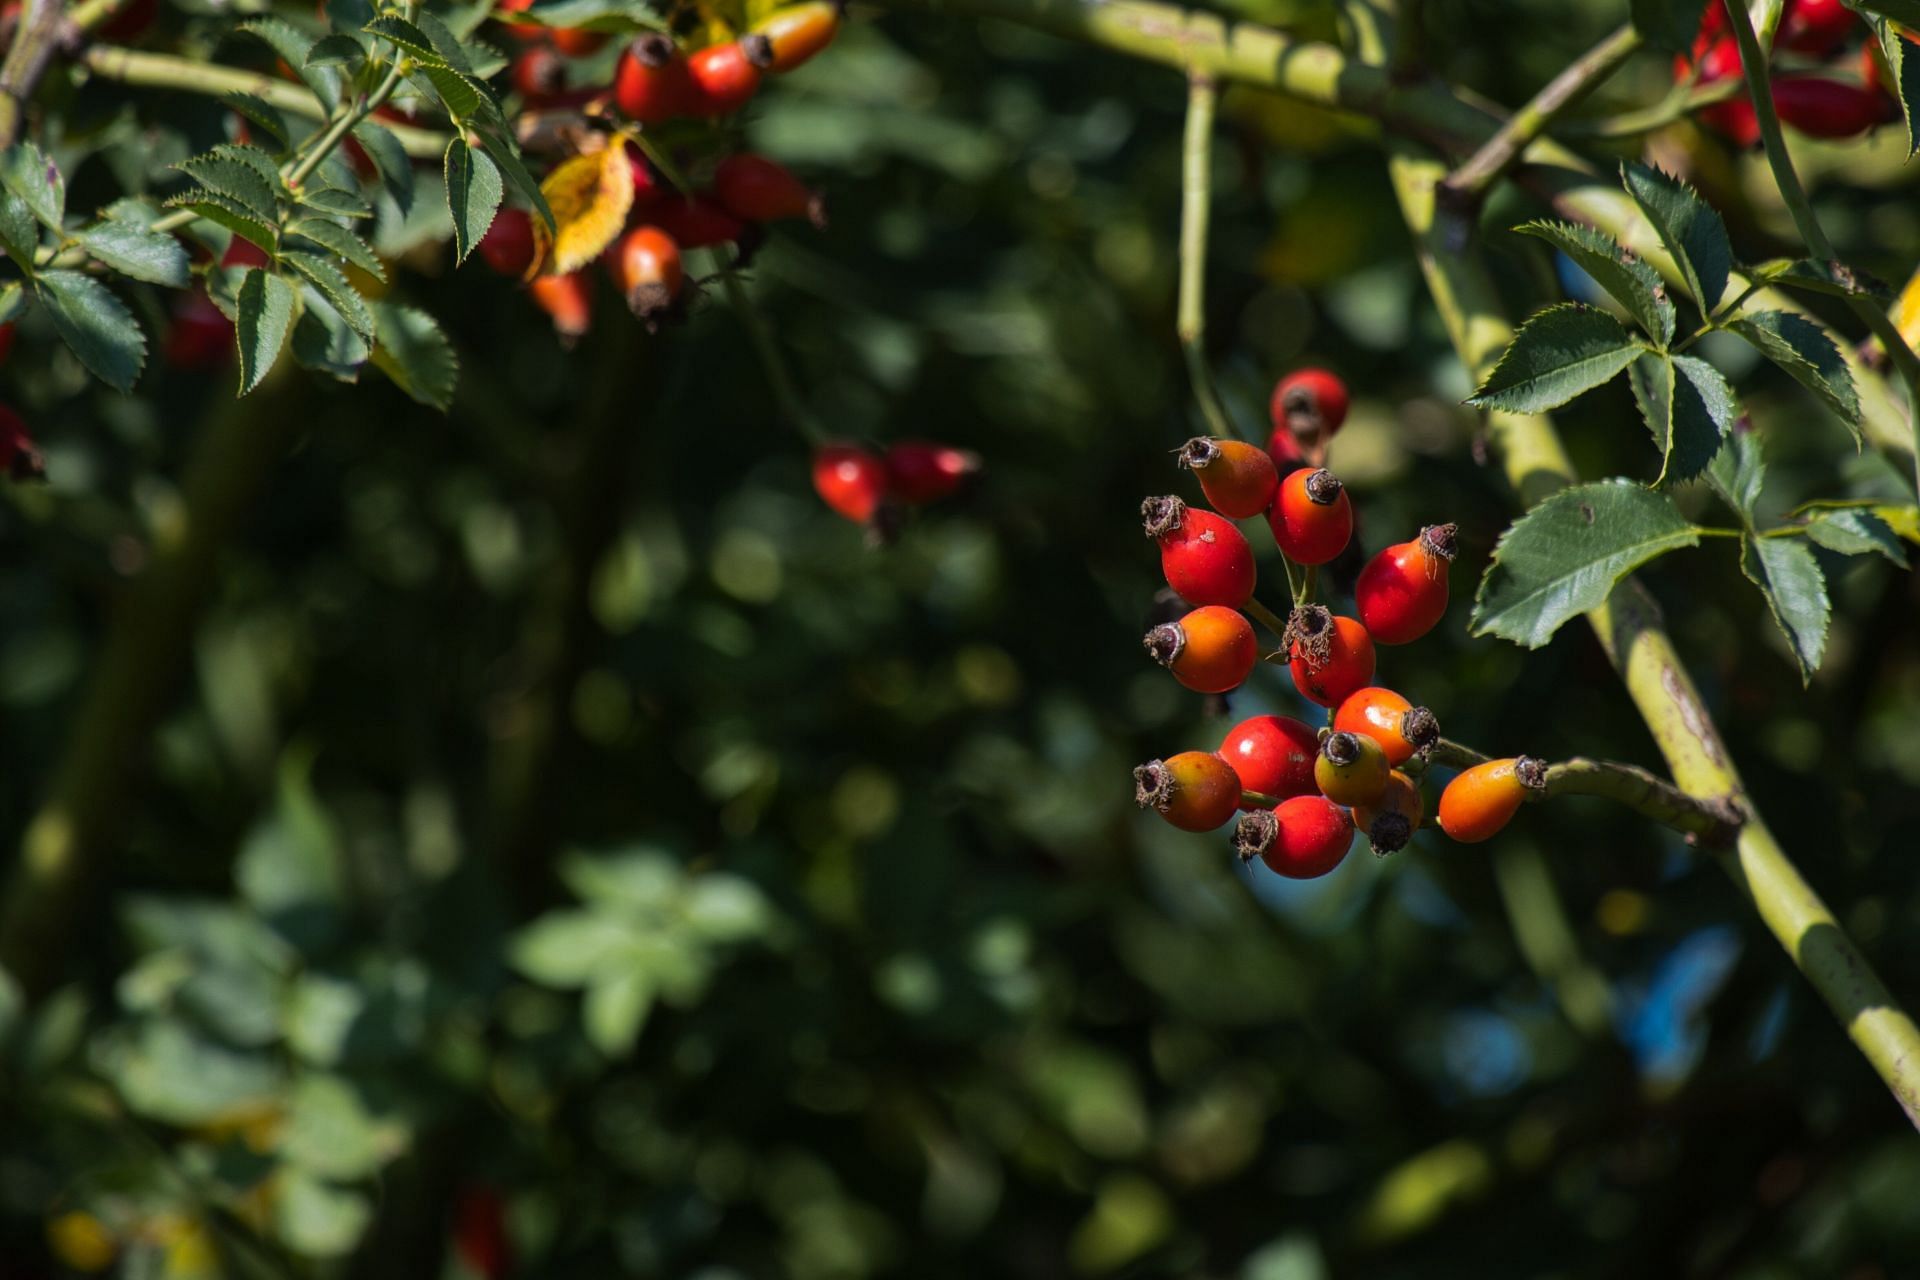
x=39 y=32
x=1196 y=191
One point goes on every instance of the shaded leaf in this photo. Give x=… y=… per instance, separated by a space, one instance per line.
x=226 y=213
x=331 y=281
x=19 y=233
x=1689 y=227
x=1558 y=354
x=473 y=195
x=1902 y=59
x=1739 y=473
x=1807 y=352
x=1668 y=24
x=293 y=45
x=506 y=154
x=571 y=947
x=323 y=341
x=411 y=349
x=445 y=45
x=1564 y=557
x=465 y=98
x=28 y=173
x=265 y=313
x=1789 y=577
x=1628 y=280
x=336 y=50
x=390 y=160
x=1834 y=278
x=1689 y=409
x=262 y=113
x=338 y=240
x=1855 y=532
x=145 y=255
x=13 y=300
x=236 y=181
x=345 y=204
x=397 y=30
x=96 y=325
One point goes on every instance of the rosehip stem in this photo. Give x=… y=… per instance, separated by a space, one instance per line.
x=1260 y=798
x=1196 y=198
x=1266 y=617
x=1712 y=819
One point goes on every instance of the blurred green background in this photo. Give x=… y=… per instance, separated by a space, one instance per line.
x=552 y=805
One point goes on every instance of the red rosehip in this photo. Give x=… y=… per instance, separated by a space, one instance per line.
x=1331 y=658
x=850 y=479
x=650 y=82
x=919 y=471
x=1195 y=790
x=6 y=341
x=726 y=76
x=1301 y=838
x=1822 y=108
x=1206 y=560
x=647 y=265
x=1817 y=27
x=647 y=186
x=1718 y=58
x=568 y=302
x=1311 y=517
x=756 y=189
x=242 y=252
x=1273 y=755
x=799 y=31
x=19 y=458
x=696 y=222
x=480 y=1233
x=507 y=246
x=1309 y=404
x=1402 y=592
x=1400 y=728
x=200 y=337
x=1210 y=650
x=539 y=74
x=1239 y=479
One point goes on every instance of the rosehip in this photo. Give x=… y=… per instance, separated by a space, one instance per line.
x=850 y=479
x=1718 y=58
x=520 y=30
x=1195 y=790
x=1822 y=108
x=650 y=83
x=695 y=223
x=507 y=246
x=1206 y=560
x=1211 y=650
x=19 y=458
x=242 y=252
x=1814 y=26
x=799 y=31
x=648 y=267
x=1311 y=517
x=1330 y=657
x=129 y=22
x=6 y=341
x=1301 y=838
x=921 y=472
x=1238 y=478
x=1400 y=728
x=725 y=76
x=756 y=189
x=1402 y=592
x=1481 y=800
x=568 y=302
x=577 y=42
x=1285 y=450
x=1309 y=405
x=1390 y=821
x=540 y=75
x=1273 y=755
x=480 y=1233
x=1352 y=769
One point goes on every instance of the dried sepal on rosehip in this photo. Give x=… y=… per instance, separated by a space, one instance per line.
x=1390 y=820
x=1238 y=478
x=1194 y=790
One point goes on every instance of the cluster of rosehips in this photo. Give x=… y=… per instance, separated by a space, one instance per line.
x=1302 y=793
x=1814 y=101
x=655 y=84
x=873 y=489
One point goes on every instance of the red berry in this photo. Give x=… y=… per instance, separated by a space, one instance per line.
x=568 y=302
x=1402 y=592
x=1211 y=650
x=129 y=22
x=1310 y=404
x=921 y=472
x=540 y=75
x=1331 y=658
x=1482 y=800
x=1822 y=108
x=520 y=30
x=648 y=268
x=1311 y=517
x=647 y=186
x=850 y=479
x=1273 y=755
x=242 y=252
x=1206 y=560
x=1195 y=790
x=507 y=246
x=756 y=189
x=6 y=341
x=1400 y=728
x=650 y=82
x=1718 y=58
x=1284 y=448
x=480 y=1233
x=695 y=223
x=1301 y=838
x=200 y=337
x=798 y=32
x=725 y=76
x=1239 y=479
x=1814 y=26
x=18 y=456
x=578 y=42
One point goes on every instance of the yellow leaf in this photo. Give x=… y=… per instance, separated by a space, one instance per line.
x=590 y=196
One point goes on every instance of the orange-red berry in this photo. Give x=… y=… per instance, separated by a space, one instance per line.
x=1239 y=479
x=756 y=189
x=1210 y=650
x=1483 y=799
x=1195 y=790
x=1402 y=592
x=799 y=31
x=1391 y=819
x=568 y=302
x=1311 y=517
x=1308 y=405
x=1205 y=558
x=650 y=83
x=1330 y=657
x=1273 y=755
x=1400 y=728
x=508 y=246
x=851 y=480
x=1300 y=838
x=648 y=267
x=726 y=76
x=921 y=471
x=19 y=458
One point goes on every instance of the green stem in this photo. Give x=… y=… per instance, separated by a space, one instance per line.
x=1196 y=196
x=1712 y=818
x=1753 y=60
x=1470 y=181
x=318 y=149
x=1267 y=618
x=34 y=40
x=1682 y=102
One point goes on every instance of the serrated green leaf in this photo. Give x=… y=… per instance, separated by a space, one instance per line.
x=1668 y=24
x=506 y=154
x=390 y=160
x=1902 y=59
x=411 y=349
x=615 y=1010
x=398 y=31
x=324 y=341
x=351 y=16
x=330 y=280
x=293 y=45
x=145 y=255
x=260 y=112
x=95 y=325
x=1631 y=282
x=473 y=194
x=1904 y=12
x=19 y=233
x=344 y=204
x=1789 y=578
x=266 y=303
x=1689 y=227
x=445 y=44
x=1687 y=407
x=336 y=51
x=235 y=181
x=28 y=173
x=226 y=213
x=1558 y=354
x=1834 y=278
x=465 y=98
x=1563 y=557
x=1738 y=474
x=1856 y=532
x=1807 y=352
x=336 y=239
